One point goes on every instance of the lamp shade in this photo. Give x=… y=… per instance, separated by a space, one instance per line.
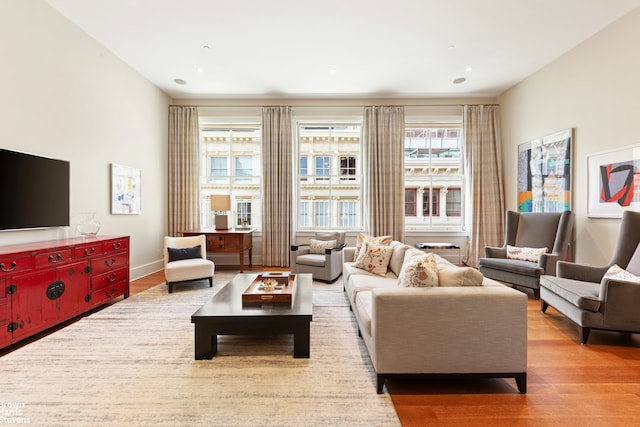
x=220 y=202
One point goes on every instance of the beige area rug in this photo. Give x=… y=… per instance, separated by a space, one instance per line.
x=133 y=364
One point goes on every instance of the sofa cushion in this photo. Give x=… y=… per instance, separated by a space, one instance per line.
x=452 y=275
x=581 y=294
x=419 y=271
x=319 y=246
x=381 y=240
x=374 y=258
x=615 y=272
x=526 y=268
x=397 y=256
x=525 y=254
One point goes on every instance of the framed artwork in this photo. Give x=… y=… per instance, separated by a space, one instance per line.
x=544 y=173
x=613 y=182
x=125 y=190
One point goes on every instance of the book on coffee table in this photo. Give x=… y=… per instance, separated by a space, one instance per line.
x=270 y=287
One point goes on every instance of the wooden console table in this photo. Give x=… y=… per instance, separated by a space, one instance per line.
x=234 y=240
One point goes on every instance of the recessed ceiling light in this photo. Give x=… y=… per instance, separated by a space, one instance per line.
x=468 y=69
x=180 y=81
x=451 y=46
x=459 y=80
x=333 y=70
x=200 y=70
x=206 y=46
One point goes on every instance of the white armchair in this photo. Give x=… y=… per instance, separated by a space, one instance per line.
x=322 y=257
x=185 y=260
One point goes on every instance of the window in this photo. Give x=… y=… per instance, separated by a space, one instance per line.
x=329 y=176
x=230 y=158
x=433 y=177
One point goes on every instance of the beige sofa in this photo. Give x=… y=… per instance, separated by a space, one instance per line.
x=453 y=330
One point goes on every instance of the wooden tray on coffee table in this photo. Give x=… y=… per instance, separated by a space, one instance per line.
x=276 y=287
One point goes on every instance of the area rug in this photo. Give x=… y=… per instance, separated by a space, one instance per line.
x=132 y=363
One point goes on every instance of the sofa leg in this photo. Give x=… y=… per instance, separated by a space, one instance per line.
x=536 y=294
x=521 y=382
x=543 y=306
x=211 y=282
x=380 y=383
x=584 y=334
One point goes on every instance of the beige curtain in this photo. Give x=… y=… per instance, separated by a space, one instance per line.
x=183 y=169
x=278 y=181
x=383 y=151
x=483 y=165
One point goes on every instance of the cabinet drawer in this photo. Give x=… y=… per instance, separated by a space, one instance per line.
x=108 y=263
x=116 y=245
x=47 y=259
x=109 y=292
x=224 y=243
x=109 y=279
x=88 y=251
x=15 y=264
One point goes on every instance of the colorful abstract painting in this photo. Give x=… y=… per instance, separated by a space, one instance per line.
x=614 y=182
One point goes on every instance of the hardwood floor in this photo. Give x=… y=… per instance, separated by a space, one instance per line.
x=569 y=384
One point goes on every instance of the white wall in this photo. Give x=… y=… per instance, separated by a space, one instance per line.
x=594 y=89
x=66 y=96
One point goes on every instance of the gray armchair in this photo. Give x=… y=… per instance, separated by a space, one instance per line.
x=592 y=301
x=323 y=261
x=551 y=230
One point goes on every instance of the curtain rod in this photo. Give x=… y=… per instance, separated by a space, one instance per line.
x=329 y=106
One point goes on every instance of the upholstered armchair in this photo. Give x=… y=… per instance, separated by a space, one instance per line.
x=521 y=261
x=322 y=256
x=605 y=297
x=185 y=260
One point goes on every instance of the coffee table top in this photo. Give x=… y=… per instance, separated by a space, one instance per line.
x=228 y=301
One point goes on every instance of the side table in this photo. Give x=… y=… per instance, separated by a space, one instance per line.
x=234 y=240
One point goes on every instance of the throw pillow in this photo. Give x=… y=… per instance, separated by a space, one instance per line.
x=525 y=254
x=616 y=272
x=374 y=258
x=177 y=254
x=419 y=271
x=318 y=246
x=380 y=240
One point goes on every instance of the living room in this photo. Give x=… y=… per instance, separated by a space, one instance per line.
x=67 y=96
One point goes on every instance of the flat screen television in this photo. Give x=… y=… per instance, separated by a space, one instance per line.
x=35 y=191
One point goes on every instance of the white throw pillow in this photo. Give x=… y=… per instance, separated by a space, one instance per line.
x=419 y=271
x=525 y=254
x=380 y=240
x=616 y=272
x=318 y=246
x=374 y=258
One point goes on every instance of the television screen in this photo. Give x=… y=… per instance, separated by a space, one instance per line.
x=35 y=191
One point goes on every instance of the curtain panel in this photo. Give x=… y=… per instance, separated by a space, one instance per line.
x=483 y=165
x=383 y=153
x=278 y=182
x=183 y=169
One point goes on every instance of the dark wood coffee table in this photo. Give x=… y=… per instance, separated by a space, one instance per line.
x=225 y=314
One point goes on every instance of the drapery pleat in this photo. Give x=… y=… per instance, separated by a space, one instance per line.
x=483 y=165
x=278 y=181
x=384 y=170
x=183 y=169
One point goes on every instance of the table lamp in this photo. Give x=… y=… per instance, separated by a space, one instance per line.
x=221 y=206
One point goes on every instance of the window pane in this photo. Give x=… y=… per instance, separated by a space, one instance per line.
x=322 y=214
x=410 y=202
x=323 y=165
x=454 y=202
x=304 y=214
x=243 y=213
x=348 y=214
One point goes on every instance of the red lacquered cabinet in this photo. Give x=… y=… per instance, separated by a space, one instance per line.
x=45 y=283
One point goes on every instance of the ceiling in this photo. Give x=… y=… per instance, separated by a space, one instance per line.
x=339 y=48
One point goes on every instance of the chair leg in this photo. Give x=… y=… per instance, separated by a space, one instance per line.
x=211 y=282
x=543 y=306
x=536 y=294
x=170 y=287
x=584 y=334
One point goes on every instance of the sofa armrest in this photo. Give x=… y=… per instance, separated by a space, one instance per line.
x=449 y=329
x=582 y=272
x=495 y=252
x=348 y=253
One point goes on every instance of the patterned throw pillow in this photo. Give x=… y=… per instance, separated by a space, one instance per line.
x=380 y=240
x=616 y=272
x=419 y=271
x=318 y=246
x=525 y=254
x=374 y=258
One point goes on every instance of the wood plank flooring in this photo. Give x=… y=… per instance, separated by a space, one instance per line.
x=569 y=384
